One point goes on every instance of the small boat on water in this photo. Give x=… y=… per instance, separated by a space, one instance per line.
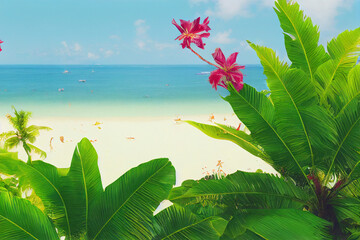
x=60 y=89
x=82 y=80
x=66 y=71
x=203 y=73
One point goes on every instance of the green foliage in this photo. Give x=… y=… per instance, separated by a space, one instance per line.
x=79 y=207
x=19 y=219
x=180 y=223
x=23 y=134
x=242 y=190
x=307 y=127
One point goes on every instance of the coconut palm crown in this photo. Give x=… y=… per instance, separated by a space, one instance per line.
x=23 y=134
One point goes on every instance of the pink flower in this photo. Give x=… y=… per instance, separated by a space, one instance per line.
x=0 y=46
x=227 y=72
x=191 y=32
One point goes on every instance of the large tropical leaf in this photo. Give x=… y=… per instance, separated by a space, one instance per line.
x=5 y=154
x=234 y=229
x=346 y=157
x=346 y=208
x=284 y=224
x=81 y=186
x=256 y=111
x=301 y=38
x=125 y=209
x=176 y=222
x=242 y=190
x=331 y=75
x=227 y=133
x=65 y=198
x=351 y=90
x=305 y=127
x=19 y=219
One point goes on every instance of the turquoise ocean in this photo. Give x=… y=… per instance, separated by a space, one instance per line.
x=115 y=90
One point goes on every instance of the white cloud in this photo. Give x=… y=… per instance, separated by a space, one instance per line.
x=228 y=9
x=223 y=37
x=162 y=46
x=115 y=37
x=108 y=53
x=322 y=12
x=64 y=44
x=144 y=42
x=141 y=27
x=70 y=50
x=141 y=33
x=141 y=44
x=92 y=56
x=77 y=47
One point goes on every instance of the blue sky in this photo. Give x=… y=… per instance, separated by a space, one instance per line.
x=140 y=31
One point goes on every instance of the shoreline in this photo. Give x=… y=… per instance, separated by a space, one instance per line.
x=125 y=142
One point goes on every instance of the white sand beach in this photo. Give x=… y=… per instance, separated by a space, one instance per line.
x=123 y=143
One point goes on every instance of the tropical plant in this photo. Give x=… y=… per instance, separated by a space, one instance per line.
x=307 y=128
x=76 y=206
x=23 y=134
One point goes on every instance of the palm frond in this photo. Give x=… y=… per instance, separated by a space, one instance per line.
x=256 y=111
x=234 y=229
x=306 y=128
x=125 y=209
x=301 y=38
x=6 y=135
x=37 y=150
x=19 y=219
x=346 y=208
x=176 y=222
x=242 y=190
x=227 y=133
x=351 y=90
x=346 y=157
x=21 y=119
x=331 y=75
x=33 y=131
x=284 y=224
x=12 y=142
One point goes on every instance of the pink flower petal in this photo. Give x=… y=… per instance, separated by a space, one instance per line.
x=195 y=26
x=205 y=35
x=198 y=42
x=219 y=57
x=186 y=25
x=205 y=24
x=231 y=59
x=215 y=78
x=177 y=26
x=236 y=67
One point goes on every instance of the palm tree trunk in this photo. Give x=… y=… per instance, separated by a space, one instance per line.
x=27 y=150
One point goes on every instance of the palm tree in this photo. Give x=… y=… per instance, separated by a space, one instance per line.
x=307 y=129
x=23 y=134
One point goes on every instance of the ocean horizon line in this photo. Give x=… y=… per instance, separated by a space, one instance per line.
x=195 y=65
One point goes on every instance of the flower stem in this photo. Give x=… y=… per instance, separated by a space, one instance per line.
x=203 y=58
